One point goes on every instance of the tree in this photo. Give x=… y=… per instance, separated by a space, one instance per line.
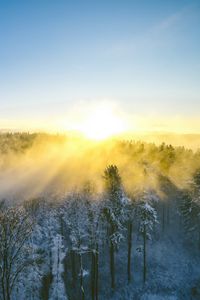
x=147 y=219
x=95 y=236
x=130 y=209
x=188 y=212
x=15 y=229
x=114 y=212
x=75 y=218
x=190 y=208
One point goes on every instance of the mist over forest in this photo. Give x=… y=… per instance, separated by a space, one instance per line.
x=38 y=163
x=113 y=219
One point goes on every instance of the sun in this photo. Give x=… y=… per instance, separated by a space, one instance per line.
x=101 y=124
x=95 y=121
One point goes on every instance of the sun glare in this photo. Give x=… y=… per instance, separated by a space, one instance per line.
x=101 y=123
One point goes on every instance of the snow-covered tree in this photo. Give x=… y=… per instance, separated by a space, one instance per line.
x=147 y=219
x=75 y=218
x=114 y=211
x=190 y=209
x=130 y=218
x=15 y=230
x=95 y=235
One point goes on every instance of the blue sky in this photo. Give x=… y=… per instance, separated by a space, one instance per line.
x=56 y=55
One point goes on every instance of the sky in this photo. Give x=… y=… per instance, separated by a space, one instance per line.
x=61 y=57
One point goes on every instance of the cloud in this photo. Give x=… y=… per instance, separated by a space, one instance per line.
x=150 y=38
x=168 y=22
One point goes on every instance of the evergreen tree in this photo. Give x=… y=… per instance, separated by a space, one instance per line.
x=114 y=212
x=147 y=219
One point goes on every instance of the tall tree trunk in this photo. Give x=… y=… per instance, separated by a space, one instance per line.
x=7 y=289
x=7 y=276
x=144 y=255
x=112 y=264
x=3 y=290
x=73 y=266
x=168 y=214
x=130 y=230
x=93 y=275
x=199 y=239
x=81 y=278
x=97 y=272
x=163 y=217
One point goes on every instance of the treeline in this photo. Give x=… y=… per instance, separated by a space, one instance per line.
x=140 y=164
x=20 y=142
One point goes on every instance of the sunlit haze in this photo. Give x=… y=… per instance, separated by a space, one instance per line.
x=62 y=57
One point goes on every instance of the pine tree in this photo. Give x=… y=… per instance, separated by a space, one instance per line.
x=147 y=219
x=114 y=213
x=130 y=219
x=190 y=211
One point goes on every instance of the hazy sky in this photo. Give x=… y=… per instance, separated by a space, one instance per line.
x=59 y=54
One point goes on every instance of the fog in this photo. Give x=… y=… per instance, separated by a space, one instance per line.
x=47 y=164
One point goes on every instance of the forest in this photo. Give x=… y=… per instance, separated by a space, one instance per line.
x=109 y=220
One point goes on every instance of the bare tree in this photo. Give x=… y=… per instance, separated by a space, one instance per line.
x=15 y=229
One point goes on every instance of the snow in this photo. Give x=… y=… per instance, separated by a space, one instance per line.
x=158 y=297
x=58 y=253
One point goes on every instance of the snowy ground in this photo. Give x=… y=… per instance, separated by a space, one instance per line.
x=173 y=273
